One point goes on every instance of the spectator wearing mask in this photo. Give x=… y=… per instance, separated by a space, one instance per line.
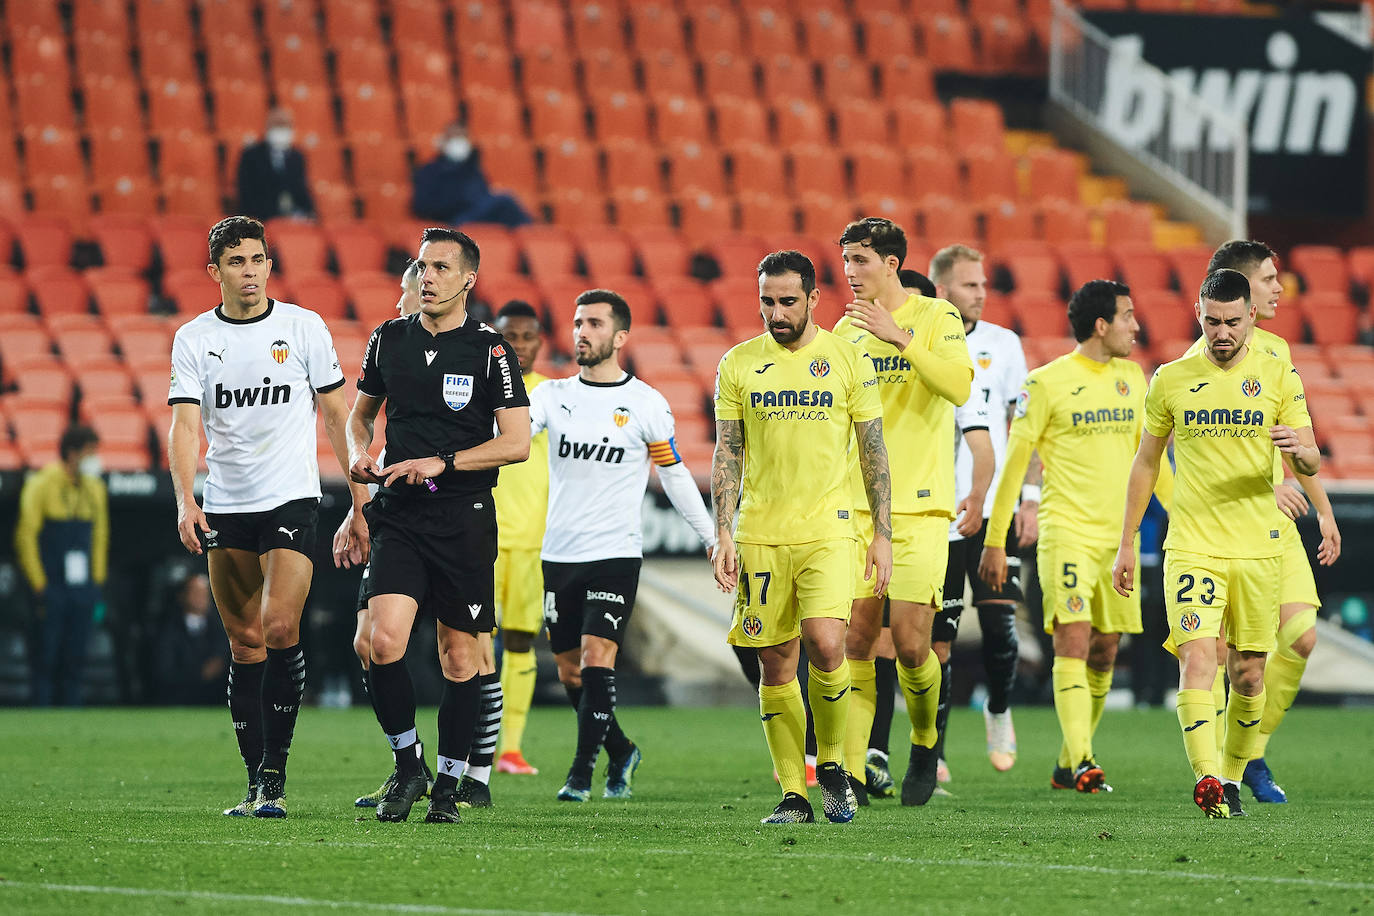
x=271 y=179
x=452 y=189
x=62 y=542
x=192 y=652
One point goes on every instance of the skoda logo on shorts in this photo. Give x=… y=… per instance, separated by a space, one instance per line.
x=1074 y=604
x=752 y=627
x=1189 y=622
x=457 y=390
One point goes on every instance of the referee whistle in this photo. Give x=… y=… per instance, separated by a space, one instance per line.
x=433 y=487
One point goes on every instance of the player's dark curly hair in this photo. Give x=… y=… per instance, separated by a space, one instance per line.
x=472 y=255
x=620 y=309
x=517 y=308
x=885 y=237
x=230 y=233
x=1093 y=300
x=1225 y=285
x=914 y=279
x=790 y=262
x=1243 y=255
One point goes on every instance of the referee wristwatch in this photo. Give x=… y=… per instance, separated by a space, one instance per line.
x=447 y=459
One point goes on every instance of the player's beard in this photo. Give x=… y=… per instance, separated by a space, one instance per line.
x=593 y=356
x=1224 y=356
x=785 y=334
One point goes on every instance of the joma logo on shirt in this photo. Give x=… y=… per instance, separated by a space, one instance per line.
x=252 y=397
x=591 y=451
x=1223 y=417
x=1105 y=415
x=791 y=399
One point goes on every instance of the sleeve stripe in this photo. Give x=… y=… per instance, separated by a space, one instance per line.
x=664 y=453
x=328 y=388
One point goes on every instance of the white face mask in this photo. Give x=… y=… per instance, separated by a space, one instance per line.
x=280 y=138
x=458 y=148
x=90 y=466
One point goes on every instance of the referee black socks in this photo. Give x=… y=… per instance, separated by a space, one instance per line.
x=283 y=686
x=458 y=711
x=245 y=709
x=393 y=699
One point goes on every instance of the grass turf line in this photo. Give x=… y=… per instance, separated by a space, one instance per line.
x=117 y=811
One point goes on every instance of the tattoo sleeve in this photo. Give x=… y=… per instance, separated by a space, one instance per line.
x=877 y=477
x=727 y=470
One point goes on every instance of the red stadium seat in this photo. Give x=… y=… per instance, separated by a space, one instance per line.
x=605 y=251
x=572 y=165
x=633 y=164
x=942 y=217
x=547 y=68
x=111 y=101
x=1054 y=173
x=605 y=71
x=786 y=77
x=656 y=27
x=662 y=253
x=638 y=208
x=686 y=302
x=45 y=241
x=679 y=118
x=876 y=169
x=931 y=170
x=481 y=22
x=911 y=76
x=715 y=27
x=1039 y=313
x=536 y=25
x=765 y=214
x=1128 y=222
x=620 y=116
x=1190 y=266
x=596 y=25
x=948 y=42
x=991 y=176
x=701 y=215
x=1321 y=267
x=380 y=159
x=1085 y=261
x=556 y=113
x=120 y=295
x=667 y=72
x=175 y=105
x=1331 y=318
x=741 y=120
x=827 y=33
x=1141 y=265
x=757 y=168
x=693 y=168
x=727 y=74
x=1005 y=223
x=818 y=169
x=53 y=151
x=1033 y=273
x=322 y=293
x=369 y=108
x=1165 y=314
x=549 y=251
x=485 y=66
x=920 y=122
x=822 y=214
x=1063 y=222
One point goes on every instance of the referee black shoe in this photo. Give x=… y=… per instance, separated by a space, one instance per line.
x=403 y=794
x=919 y=782
x=472 y=793
x=443 y=808
x=1231 y=793
x=838 y=801
x=793 y=809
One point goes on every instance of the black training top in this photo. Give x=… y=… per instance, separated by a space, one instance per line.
x=442 y=393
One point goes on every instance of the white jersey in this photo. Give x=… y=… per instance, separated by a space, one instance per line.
x=602 y=438
x=255 y=382
x=999 y=370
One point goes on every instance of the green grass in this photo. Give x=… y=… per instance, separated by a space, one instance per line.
x=118 y=811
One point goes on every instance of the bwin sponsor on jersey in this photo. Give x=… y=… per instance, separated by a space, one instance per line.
x=1105 y=415
x=252 y=397
x=1298 y=112
x=1223 y=417
x=591 y=451
x=612 y=597
x=788 y=398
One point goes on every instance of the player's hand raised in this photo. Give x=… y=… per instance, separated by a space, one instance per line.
x=191 y=521
x=992 y=567
x=1290 y=501
x=878 y=564
x=724 y=562
x=1329 y=551
x=878 y=321
x=1123 y=570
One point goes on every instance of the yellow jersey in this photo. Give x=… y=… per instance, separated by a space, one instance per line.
x=1084 y=418
x=1264 y=342
x=918 y=424
x=798 y=410
x=522 y=491
x=1224 y=493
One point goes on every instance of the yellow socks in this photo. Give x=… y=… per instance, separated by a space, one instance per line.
x=921 y=690
x=1073 y=705
x=518 y=672
x=1099 y=685
x=784 y=727
x=1197 y=718
x=1219 y=706
x=863 y=701
x=830 y=696
x=1243 y=715
x=1282 y=676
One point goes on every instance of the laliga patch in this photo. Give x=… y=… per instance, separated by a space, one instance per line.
x=280 y=350
x=1189 y=622
x=1022 y=402
x=752 y=626
x=457 y=390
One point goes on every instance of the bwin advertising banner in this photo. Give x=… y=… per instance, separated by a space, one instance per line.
x=1298 y=86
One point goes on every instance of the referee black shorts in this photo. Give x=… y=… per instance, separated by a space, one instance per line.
x=290 y=526
x=439 y=552
x=964 y=556
x=594 y=598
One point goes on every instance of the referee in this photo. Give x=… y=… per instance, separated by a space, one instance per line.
x=447 y=380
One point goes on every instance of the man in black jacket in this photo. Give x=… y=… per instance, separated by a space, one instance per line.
x=271 y=179
x=453 y=189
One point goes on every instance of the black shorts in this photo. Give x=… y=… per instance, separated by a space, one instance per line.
x=439 y=552
x=594 y=598
x=290 y=526
x=964 y=556
x=365 y=587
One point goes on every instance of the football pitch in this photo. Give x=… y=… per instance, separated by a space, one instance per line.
x=117 y=811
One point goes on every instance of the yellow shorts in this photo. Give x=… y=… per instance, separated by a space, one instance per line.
x=1297 y=586
x=779 y=587
x=920 y=551
x=1201 y=593
x=519 y=590
x=1076 y=582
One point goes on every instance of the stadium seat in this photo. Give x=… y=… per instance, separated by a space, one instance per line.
x=1321 y=267
x=174 y=105
x=59 y=291
x=886 y=35
x=741 y=121
x=1128 y=222
x=785 y=77
x=715 y=27
x=685 y=302
x=765 y=214
x=727 y=77
x=1033 y=273
x=144 y=349
x=322 y=293
x=605 y=251
x=1141 y=265
x=828 y=34
x=596 y=25
x=1084 y=261
x=942 y=217
x=757 y=168
x=948 y=42
x=736 y=255
x=111 y=101
x=1039 y=314
x=977 y=124
x=1006 y=223
x=45 y=384
x=53 y=151
x=109 y=387
x=819 y=169
x=875 y=169
x=1189 y=266
x=480 y=22
x=369 y=108
x=605 y=71
x=550 y=251
x=353 y=19
x=668 y=73
x=311 y=106
x=571 y=164
x=656 y=27
x=1330 y=318
x=557 y=113
x=1054 y=174
x=1165 y=315
x=620 y=116
x=663 y=253
x=44 y=241
x=634 y=164
x=694 y=168
x=43 y=99
x=37 y=430
x=680 y=118
x=536 y=25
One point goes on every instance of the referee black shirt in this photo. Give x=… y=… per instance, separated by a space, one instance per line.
x=442 y=393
